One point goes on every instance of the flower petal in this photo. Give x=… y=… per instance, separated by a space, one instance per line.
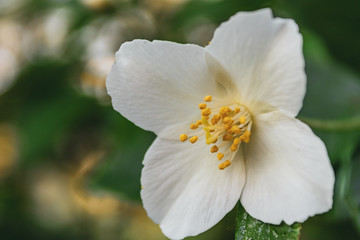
x=183 y=189
x=158 y=85
x=264 y=57
x=288 y=173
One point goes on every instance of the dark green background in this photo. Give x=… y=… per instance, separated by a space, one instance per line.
x=56 y=124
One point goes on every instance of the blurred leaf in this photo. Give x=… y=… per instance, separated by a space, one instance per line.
x=46 y=108
x=215 y=11
x=120 y=169
x=333 y=90
x=323 y=227
x=339 y=144
x=249 y=228
x=334 y=21
x=41 y=127
x=352 y=197
x=332 y=93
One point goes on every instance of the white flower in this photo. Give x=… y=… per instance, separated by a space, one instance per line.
x=253 y=70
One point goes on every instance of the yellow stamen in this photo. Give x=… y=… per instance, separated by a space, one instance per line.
x=236 y=141
x=224 y=165
x=208 y=98
x=202 y=106
x=235 y=129
x=231 y=123
x=242 y=120
x=183 y=137
x=228 y=120
x=215 y=119
x=224 y=111
x=245 y=137
x=227 y=137
x=206 y=112
x=233 y=147
x=228 y=126
x=214 y=149
x=193 y=139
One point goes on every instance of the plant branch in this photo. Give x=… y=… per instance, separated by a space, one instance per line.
x=348 y=124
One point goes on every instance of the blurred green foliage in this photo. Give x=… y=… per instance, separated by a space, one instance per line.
x=56 y=124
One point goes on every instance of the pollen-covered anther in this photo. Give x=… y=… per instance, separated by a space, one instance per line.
x=193 y=139
x=220 y=156
x=235 y=129
x=224 y=111
x=237 y=110
x=208 y=98
x=198 y=122
x=227 y=126
x=215 y=119
x=194 y=126
x=183 y=137
x=236 y=141
x=242 y=120
x=214 y=149
x=228 y=120
x=233 y=147
x=224 y=165
x=206 y=112
x=227 y=137
x=245 y=137
x=202 y=106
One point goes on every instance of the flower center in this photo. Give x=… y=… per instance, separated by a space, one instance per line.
x=224 y=127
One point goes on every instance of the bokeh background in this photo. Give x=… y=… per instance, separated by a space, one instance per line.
x=70 y=165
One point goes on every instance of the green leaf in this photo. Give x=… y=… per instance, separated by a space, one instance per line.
x=249 y=228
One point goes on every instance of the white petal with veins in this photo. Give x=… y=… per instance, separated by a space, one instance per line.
x=288 y=173
x=264 y=58
x=184 y=191
x=158 y=85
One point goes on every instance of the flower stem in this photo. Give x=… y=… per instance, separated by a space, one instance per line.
x=348 y=124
